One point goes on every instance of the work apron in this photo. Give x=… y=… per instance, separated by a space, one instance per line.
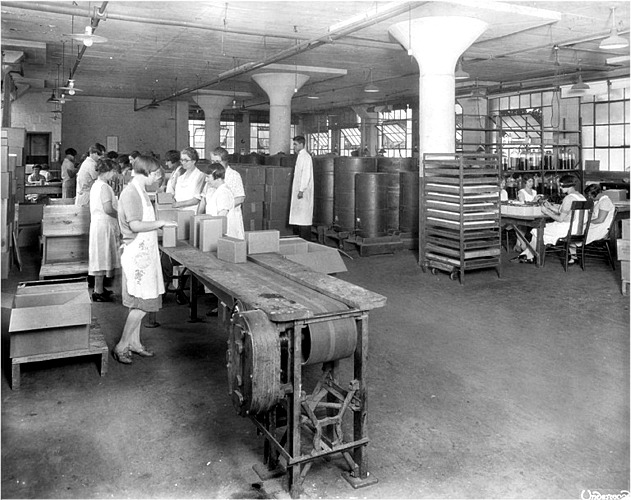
x=141 y=259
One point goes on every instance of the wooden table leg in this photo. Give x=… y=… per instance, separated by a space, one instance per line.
x=104 y=360
x=541 y=248
x=15 y=376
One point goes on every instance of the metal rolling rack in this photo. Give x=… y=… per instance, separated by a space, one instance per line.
x=460 y=215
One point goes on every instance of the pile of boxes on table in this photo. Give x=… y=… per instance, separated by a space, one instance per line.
x=623 y=255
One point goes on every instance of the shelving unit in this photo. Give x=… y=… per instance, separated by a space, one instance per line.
x=460 y=213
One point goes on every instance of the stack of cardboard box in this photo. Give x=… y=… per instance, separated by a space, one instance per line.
x=623 y=255
x=253 y=177
x=278 y=182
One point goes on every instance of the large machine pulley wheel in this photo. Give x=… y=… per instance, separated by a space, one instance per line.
x=253 y=363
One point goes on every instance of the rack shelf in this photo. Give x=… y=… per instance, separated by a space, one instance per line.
x=460 y=215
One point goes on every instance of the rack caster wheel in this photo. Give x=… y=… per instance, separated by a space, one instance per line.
x=453 y=275
x=434 y=271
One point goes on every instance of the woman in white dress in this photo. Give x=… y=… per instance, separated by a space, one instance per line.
x=104 y=232
x=602 y=217
x=528 y=192
x=143 y=284
x=218 y=200
x=561 y=215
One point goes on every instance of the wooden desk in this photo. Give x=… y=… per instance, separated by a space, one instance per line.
x=47 y=189
x=537 y=222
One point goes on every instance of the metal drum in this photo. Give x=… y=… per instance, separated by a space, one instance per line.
x=323 y=179
x=344 y=170
x=328 y=341
x=385 y=164
x=408 y=202
x=371 y=204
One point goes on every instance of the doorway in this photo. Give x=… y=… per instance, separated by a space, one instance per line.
x=38 y=148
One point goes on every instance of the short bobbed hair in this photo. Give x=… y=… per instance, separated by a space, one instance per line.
x=144 y=165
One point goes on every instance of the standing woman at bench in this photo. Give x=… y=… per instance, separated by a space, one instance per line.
x=104 y=232
x=143 y=285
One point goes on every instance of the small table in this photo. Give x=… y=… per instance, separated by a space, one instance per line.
x=96 y=346
x=51 y=188
x=535 y=221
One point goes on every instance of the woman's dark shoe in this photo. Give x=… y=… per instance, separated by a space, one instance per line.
x=122 y=357
x=107 y=292
x=101 y=297
x=516 y=259
x=142 y=351
x=154 y=324
x=525 y=260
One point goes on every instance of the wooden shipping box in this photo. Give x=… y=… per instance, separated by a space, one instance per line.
x=50 y=316
x=16 y=137
x=279 y=176
x=250 y=174
x=65 y=233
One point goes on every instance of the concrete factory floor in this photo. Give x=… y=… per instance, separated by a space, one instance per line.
x=502 y=388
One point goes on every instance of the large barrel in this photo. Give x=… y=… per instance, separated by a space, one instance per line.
x=323 y=182
x=408 y=202
x=395 y=166
x=385 y=164
x=344 y=170
x=371 y=204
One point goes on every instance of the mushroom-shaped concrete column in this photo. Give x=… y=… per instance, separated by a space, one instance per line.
x=280 y=88
x=213 y=103
x=436 y=43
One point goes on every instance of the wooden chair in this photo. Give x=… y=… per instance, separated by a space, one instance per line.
x=601 y=248
x=580 y=219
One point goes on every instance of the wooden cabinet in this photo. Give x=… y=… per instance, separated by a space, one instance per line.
x=460 y=213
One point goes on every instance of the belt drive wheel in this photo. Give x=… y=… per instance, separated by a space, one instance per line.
x=253 y=363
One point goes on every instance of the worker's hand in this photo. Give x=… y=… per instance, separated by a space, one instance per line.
x=300 y=194
x=176 y=204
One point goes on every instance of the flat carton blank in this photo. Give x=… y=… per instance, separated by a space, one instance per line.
x=320 y=258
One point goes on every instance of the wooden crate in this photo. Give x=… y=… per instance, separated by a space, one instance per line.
x=50 y=317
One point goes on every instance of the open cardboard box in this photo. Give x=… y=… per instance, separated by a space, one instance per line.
x=50 y=316
x=313 y=255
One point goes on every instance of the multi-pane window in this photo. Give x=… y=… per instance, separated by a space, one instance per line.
x=197 y=136
x=606 y=127
x=259 y=138
x=395 y=133
x=351 y=140
x=319 y=143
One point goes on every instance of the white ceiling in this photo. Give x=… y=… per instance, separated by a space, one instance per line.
x=160 y=49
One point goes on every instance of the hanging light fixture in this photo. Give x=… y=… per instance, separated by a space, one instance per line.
x=460 y=74
x=371 y=88
x=87 y=37
x=70 y=88
x=580 y=85
x=614 y=40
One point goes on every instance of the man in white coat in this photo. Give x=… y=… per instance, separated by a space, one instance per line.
x=301 y=211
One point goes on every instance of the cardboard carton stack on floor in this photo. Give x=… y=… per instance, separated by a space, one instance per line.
x=253 y=177
x=278 y=182
x=623 y=255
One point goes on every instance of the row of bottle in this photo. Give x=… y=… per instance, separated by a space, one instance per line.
x=534 y=160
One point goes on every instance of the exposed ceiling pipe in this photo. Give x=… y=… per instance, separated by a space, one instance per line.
x=332 y=34
x=94 y=23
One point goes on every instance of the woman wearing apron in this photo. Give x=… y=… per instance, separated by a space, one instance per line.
x=143 y=285
x=104 y=232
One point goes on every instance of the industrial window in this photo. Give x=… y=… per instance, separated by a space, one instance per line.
x=319 y=143
x=606 y=126
x=351 y=140
x=259 y=137
x=197 y=136
x=395 y=133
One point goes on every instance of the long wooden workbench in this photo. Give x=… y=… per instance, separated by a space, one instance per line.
x=279 y=306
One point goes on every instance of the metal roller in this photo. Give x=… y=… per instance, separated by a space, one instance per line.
x=328 y=341
x=254 y=363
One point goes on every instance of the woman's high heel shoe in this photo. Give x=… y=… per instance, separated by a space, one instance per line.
x=142 y=351
x=122 y=357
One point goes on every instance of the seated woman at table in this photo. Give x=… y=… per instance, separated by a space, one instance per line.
x=528 y=193
x=561 y=215
x=36 y=176
x=603 y=213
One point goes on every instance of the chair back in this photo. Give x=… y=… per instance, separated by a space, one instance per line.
x=580 y=220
